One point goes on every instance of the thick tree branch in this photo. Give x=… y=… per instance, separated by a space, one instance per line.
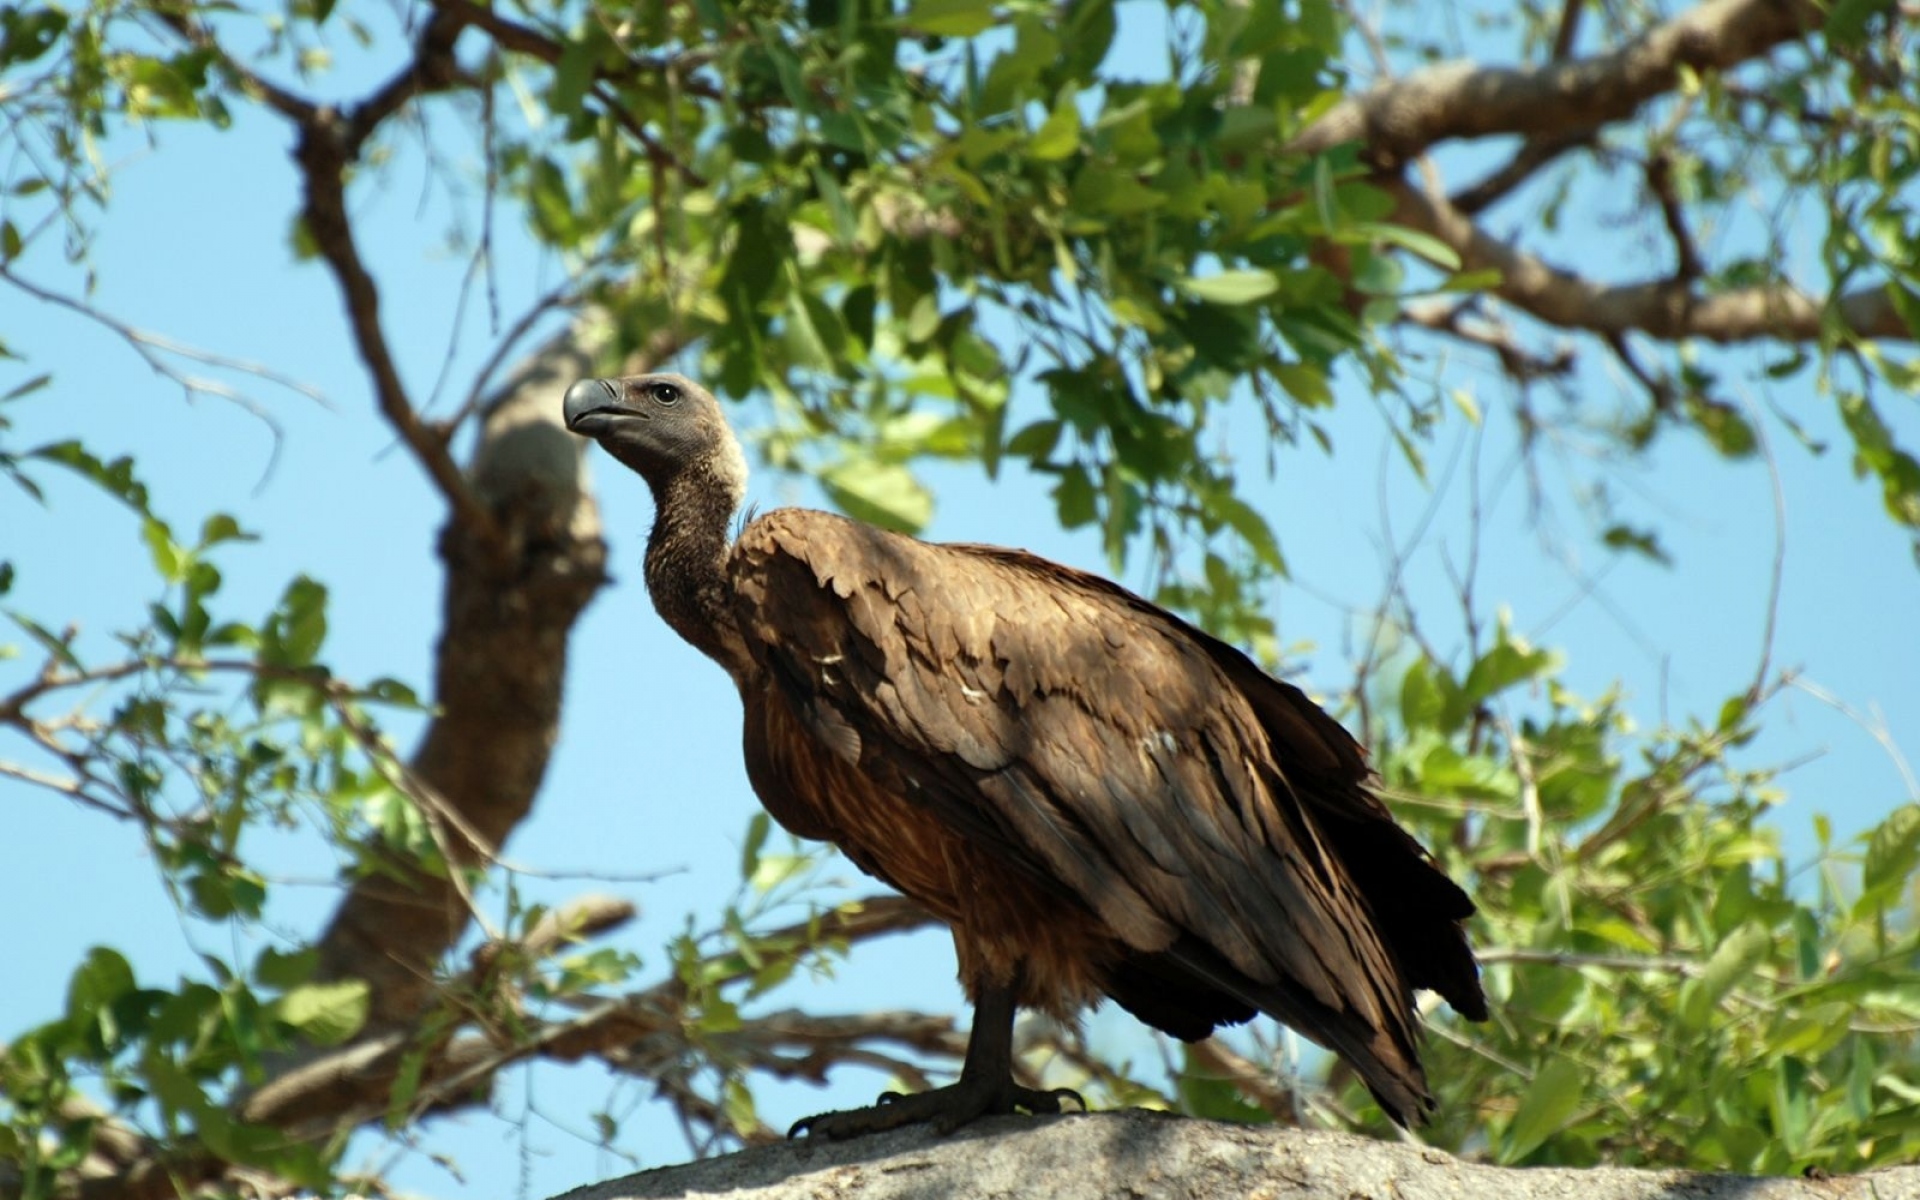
x=1400 y=119
x=1133 y=1152
x=514 y=587
x=643 y=1033
x=1668 y=309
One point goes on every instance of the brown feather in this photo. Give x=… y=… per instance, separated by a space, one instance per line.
x=1098 y=797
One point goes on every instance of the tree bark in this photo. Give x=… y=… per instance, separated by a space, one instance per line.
x=1136 y=1153
x=1404 y=117
x=513 y=592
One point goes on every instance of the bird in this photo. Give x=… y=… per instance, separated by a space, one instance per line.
x=1101 y=800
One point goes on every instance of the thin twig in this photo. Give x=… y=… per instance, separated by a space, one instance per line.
x=1687 y=265
x=1777 y=576
x=152 y=349
x=324 y=151
x=1874 y=727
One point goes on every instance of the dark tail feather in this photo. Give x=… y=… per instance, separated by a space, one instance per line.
x=1385 y=1058
x=1417 y=909
x=1172 y=999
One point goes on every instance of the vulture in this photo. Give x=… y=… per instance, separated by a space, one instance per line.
x=1100 y=799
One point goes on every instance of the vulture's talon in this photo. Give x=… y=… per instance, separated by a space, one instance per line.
x=945 y=1108
x=1054 y=1096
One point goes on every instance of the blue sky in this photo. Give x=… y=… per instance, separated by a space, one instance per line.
x=647 y=776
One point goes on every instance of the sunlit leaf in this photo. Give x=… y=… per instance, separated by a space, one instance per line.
x=325 y=1013
x=1232 y=287
x=952 y=18
x=1547 y=1104
x=886 y=494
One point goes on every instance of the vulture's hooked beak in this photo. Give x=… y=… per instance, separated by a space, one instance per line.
x=593 y=406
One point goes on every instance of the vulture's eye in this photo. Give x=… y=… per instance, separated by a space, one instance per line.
x=664 y=394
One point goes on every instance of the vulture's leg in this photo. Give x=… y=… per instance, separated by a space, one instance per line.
x=986 y=1086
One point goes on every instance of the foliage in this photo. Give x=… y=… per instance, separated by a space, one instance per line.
x=992 y=233
x=1666 y=987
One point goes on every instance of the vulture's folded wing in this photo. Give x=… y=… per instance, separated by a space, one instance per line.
x=1106 y=749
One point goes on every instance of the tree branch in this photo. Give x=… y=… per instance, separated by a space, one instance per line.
x=643 y=1033
x=1459 y=321
x=1668 y=309
x=1135 y=1152
x=1687 y=265
x=1398 y=120
x=515 y=585
x=1525 y=163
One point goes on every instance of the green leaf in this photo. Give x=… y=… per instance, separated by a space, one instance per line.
x=1546 y=1106
x=950 y=18
x=1075 y=498
x=102 y=978
x=406 y=1085
x=1059 y=135
x=1846 y=23
x=220 y=528
x=1252 y=528
x=1733 y=960
x=757 y=829
x=227 y=891
x=56 y=646
x=170 y=559
x=1232 y=287
x=174 y=1088
x=775 y=869
x=26 y=34
x=1725 y=427
x=1320 y=21
x=1305 y=382
x=325 y=1013
x=573 y=74
x=115 y=477
x=1473 y=281
x=394 y=692
x=1893 y=850
x=1425 y=697
x=1509 y=662
x=886 y=494
x=814 y=334
x=28 y=388
x=1205 y=1094
x=283 y=970
x=1792 y=1103
x=1035 y=442
x=1643 y=542
x=1425 y=245
x=297 y=628
x=1875 y=452
x=736 y=1102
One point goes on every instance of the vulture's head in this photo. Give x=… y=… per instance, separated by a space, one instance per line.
x=660 y=425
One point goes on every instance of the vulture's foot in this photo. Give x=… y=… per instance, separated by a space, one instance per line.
x=947 y=1108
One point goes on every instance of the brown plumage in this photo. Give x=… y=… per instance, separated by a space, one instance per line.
x=1100 y=799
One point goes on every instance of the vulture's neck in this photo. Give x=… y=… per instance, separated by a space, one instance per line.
x=687 y=559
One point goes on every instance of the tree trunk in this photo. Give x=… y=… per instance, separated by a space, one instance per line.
x=1136 y=1153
